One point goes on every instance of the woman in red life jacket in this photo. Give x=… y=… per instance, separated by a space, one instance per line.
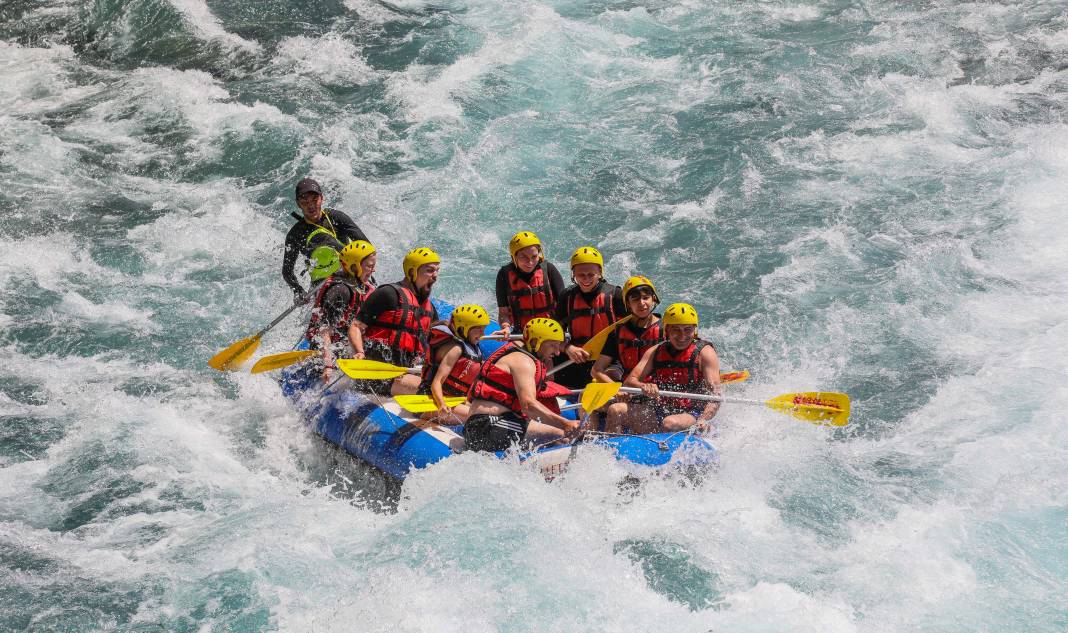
x=626 y=346
x=454 y=362
x=393 y=324
x=585 y=309
x=337 y=301
x=528 y=286
x=504 y=399
x=681 y=363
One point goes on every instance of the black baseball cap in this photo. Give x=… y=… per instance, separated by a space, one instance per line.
x=306 y=185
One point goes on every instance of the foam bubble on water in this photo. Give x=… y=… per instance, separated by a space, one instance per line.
x=198 y=16
x=331 y=58
x=36 y=79
x=108 y=313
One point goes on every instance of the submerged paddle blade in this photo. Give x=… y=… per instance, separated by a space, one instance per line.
x=278 y=361
x=817 y=407
x=369 y=369
x=596 y=344
x=728 y=377
x=233 y=357
x=422 y=404
x=597 y=394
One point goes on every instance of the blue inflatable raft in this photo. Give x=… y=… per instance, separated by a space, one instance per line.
x=378 y=431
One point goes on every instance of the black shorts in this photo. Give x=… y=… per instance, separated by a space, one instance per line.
x=663 y=407
x=483 y=432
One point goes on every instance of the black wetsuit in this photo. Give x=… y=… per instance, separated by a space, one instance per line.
x=297 y=241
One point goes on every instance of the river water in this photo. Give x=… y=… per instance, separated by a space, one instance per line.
x=858 y=197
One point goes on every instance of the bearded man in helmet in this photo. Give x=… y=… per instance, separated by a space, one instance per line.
x=683 y=362
x=454 y=362
x=507 y=398
x=349 y=281
x=393 y=324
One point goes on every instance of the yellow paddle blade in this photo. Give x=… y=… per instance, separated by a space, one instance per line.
x=728 y=377
x=278 y=361
x=596 y=344
x=817 y=407
x=233 y=357
x=369 y=369
x=597 y=394
x=422 y=404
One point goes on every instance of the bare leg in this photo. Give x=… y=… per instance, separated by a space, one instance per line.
x=539 y=433
x=679 y=422
x=641 y=419
x=405 y=385
x=616 y=417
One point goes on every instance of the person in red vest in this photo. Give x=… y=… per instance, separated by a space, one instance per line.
x=628 y=343
x=338 y=300
x=454 y=361
x=393 y=324
x=585 y=309
x=527 y=287
x=505 y=407
x=683 y=362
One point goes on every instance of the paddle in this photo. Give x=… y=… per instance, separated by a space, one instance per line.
x=278 y=361
x=237 y=354
x=422 y=404
x=725 y=378
x=595 y=344
x=501 y=337
x=373 y=369
x=818 y=407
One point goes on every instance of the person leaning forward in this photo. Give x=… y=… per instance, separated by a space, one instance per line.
x=313 y=223
x=507 y=397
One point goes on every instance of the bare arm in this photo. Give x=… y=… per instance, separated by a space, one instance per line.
x=356 y=329
x=523 y=376
x=504 y=317
x=710 y=371
x=601 y=364
x=444 y=369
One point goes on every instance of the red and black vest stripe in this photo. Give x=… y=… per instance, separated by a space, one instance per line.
x=464 y=372
x=679 y=370
x=341 y=330
x=496 y=385
x=529 y=299
x=586 y=318
x=634 y=341
x=405 y=328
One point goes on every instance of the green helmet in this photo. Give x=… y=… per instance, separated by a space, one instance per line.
x=324 y=262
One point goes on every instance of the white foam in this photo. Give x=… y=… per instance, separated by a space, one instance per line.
x=331 y=58
x=198 y=16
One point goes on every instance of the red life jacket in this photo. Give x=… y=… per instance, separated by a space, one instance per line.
x=341 y=331
x=529 y=299
x=496 y=385
x=634 y=341
x=464 y=372
x=586 y=318
x=405 y=328
x=679 y=371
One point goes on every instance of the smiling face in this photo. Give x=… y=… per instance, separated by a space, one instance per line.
x=680 y=336
x=526 y=259
x=368 y=266
x=641 y=302
x=549 y=349
x=586 y=276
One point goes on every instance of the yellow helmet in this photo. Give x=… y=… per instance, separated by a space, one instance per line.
x=638 y=281
x=468 y=316
x=539 y=330
x=522 y=240
x=418 y=257
x=680 y=314
x=587 y=255
x=354 y=253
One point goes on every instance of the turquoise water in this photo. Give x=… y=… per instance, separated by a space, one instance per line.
x=865 y=198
